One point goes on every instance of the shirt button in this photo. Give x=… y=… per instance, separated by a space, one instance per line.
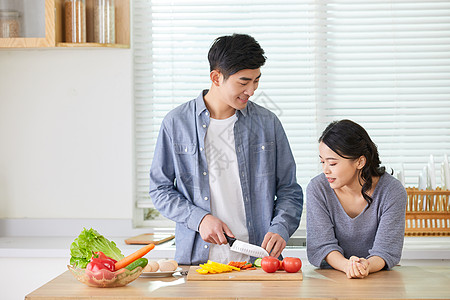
x=206 y=113
x=185 y=149
x=206 y=198
x=242 y=174
x=206 y=246
x=204 y=126
x=262 y=147
x=204 y=173
x=201 y=149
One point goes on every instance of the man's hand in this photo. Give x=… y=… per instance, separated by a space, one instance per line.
x=357 y=267
x=211 y=230
x=274 y=244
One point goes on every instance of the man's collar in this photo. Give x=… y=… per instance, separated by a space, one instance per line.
x=200 y=105
x=244 y=111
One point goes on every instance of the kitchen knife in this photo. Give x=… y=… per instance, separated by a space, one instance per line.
x=246 y=248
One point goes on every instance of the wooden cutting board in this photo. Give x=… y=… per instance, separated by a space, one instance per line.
x=149 y=238
x=244 y=275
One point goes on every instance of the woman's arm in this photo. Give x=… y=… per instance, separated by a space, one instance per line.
x=388 y=243
x=320 y=235
x=376 y=264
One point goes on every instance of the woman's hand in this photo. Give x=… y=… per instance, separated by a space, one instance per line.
x=357 y=267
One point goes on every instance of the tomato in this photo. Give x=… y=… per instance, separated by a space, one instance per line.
x=281 y=267
x=270 y=264
x=292 y=264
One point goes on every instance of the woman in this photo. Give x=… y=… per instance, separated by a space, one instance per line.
x=355 y=210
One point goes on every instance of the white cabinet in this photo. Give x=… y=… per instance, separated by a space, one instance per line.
x=21 y=276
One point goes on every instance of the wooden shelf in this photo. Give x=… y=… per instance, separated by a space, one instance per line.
x=54 y=29
x=95 y=45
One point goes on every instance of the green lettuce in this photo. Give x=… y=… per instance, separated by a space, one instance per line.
x=90 y=241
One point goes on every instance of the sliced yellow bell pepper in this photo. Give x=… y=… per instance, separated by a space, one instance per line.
x=202 y=271
x=215 y=267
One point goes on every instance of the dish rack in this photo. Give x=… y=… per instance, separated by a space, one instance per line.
x=427 y=212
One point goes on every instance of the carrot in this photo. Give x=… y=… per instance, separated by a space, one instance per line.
x=133 y=256
x=240 y=264
x=246 y=266
x=234 y=264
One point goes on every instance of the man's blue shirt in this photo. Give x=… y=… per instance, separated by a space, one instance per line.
x=179 y=184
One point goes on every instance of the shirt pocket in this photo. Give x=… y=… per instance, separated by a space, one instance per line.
x=186 y=162
x=185 y=148
x=263 y=159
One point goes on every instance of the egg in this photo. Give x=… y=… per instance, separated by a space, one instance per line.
x=148 y=268
x=174 y=262
x=152 y=266
x=166 y=266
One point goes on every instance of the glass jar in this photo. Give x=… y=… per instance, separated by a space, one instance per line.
x=9 y=24
x=104 y=22
x=75 y=21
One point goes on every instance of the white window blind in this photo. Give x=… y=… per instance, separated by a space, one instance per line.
x=383 y=64
x=387 y=67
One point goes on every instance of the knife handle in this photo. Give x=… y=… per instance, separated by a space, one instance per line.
x=230 y=240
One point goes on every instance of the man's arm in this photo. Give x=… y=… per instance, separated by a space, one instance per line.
x=289 y=202
x=167 y=200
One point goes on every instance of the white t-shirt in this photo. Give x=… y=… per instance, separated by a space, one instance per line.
x=227 y=202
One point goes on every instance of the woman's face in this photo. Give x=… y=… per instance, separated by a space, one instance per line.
x=339 y=171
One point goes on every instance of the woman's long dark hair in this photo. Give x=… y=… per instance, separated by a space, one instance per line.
x=351 y=141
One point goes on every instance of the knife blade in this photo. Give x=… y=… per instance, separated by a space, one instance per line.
x=246 y=248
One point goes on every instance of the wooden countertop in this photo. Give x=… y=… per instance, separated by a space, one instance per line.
x=400 y=283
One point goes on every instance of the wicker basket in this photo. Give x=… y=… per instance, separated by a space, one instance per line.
x=428 y=212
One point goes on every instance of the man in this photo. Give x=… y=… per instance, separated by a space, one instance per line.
x=223 y=164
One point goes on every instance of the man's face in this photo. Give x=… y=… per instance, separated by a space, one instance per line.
x=239 y=87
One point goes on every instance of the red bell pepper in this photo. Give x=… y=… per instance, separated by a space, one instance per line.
x=100 y=261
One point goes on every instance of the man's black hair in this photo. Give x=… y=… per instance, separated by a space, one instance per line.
x=232 y=53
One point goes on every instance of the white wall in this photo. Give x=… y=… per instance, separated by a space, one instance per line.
x=66 y=133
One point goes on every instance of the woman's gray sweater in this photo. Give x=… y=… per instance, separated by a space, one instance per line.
x=377 y=231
